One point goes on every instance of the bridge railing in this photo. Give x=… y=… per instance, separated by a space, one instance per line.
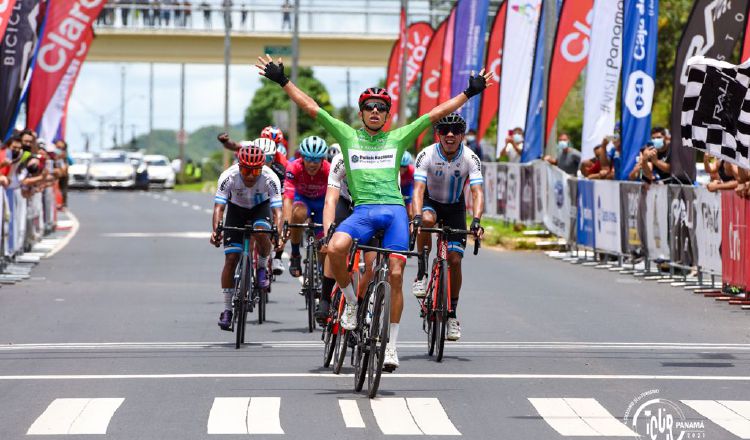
x=380 y=18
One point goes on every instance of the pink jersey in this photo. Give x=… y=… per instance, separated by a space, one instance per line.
x=407 y=177
x=300 y=182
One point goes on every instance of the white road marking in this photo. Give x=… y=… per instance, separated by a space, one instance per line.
x=200 y=234
x=430 y=416
x=175 y=201
x=69 y=236
x=185 y=204
x=579 y=417
x=732 y=415
x=76 y=416
x=393 y=416
x=263 y=416
x=245 y=415
x=350 y=412
x=197 y=208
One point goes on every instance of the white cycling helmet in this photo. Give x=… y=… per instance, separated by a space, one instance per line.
x=333 y=150
x=267 y=145
x=245 y=144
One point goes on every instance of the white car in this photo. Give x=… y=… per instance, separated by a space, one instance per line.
x=111 y=169
x=160 y=172
x=78 y=172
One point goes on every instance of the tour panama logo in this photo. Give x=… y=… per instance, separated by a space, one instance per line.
x=655 y=418
x=372 y=159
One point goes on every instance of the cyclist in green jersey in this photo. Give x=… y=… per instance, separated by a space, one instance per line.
x=372 y=158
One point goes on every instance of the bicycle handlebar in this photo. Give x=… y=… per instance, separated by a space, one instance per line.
x=447 y=230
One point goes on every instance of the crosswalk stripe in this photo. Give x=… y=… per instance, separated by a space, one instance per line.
x=351 y=414
x=732 y=415
x=579 y=417
x=245 y=415
x=430 y=416
x=393 y=416
x=76 y=416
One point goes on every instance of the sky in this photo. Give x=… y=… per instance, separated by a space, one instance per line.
x=97 y=94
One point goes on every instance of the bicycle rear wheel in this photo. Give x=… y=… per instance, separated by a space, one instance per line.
x=262 y=299
x=329 y=335
x=379 y=328
x=310 y=290
x=441 y=314
x=241 y=305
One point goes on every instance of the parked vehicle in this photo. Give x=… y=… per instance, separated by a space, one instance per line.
x=112 y=169
x=141 y=170
x=78 y=172
x=160 y=171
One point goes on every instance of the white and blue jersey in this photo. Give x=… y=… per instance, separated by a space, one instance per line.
x=232 y=188
x=445 y=179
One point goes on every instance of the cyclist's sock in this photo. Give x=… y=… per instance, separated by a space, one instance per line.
x=350 y=294
x=328 y=284
x=295 y=249
x=393 y=335
x=278 y=255
x=228 y=298
x=262 y=261
x=454 y=306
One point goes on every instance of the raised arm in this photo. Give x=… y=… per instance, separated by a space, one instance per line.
x=477 y=84
x=275 y=72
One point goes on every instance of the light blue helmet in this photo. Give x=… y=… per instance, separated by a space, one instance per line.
x=406 y=159
x=313 y=147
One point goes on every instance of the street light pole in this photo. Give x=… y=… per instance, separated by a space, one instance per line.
x=122 y=105
x=227 y=59
x=150 y=102
x=181 y=133
x=293 y=110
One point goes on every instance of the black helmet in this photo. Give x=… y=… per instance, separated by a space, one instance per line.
x=450 y=119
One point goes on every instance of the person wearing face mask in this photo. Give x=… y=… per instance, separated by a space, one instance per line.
x=654 y=160
x=513 y=145
x=473 y=144
x=568 y=158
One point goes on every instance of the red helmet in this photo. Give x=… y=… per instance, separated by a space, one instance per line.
x=273 y=133
x=251 y=157
x=375 y=92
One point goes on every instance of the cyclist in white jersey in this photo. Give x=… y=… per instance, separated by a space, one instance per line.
x=249 y=192
x=442 y=171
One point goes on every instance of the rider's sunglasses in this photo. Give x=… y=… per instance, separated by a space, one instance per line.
x=312 y=159
x=246 y=171
x=456 y=129
x=370 y=106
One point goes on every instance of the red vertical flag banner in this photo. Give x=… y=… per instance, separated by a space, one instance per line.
x=67 y=24
x=418 y=40
x=6 y=8
x=746 y=41
x=430 y=87
x=570 y=54
x=446 y=60
x=494 y=64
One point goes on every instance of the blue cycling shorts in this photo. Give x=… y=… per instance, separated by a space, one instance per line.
x=366 y=220
x=407 y=191
x=314 y=206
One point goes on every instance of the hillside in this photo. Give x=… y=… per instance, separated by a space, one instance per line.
x=201 y=143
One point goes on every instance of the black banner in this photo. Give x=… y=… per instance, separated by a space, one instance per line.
x=527 y=194
x=502 y=189
x=713 y=30
x=573 y=194
x=16 y=52
x=682 y=241
x=632 y=225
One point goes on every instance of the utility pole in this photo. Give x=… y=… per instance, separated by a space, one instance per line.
x=402 y=92
x=101 y=133
x=181 y=133
x=227 y=59
x=348 y=91
x=122 y=105
x=293 y=110
x=150 y=102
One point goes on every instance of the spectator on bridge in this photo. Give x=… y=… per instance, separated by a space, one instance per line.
x=166 y=11
x=286 y=11
x=568 y=158
x=513 y=145
x=124 y=6
x=243 y=14
x=206 y=8
x=473 y=144
x=156 y=12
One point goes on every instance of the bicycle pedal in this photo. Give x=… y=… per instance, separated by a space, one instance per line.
x=389 y=368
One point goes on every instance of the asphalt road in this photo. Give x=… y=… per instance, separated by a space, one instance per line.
x=116 y=335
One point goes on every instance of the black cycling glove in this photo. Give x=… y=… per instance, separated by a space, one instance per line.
x=275 y=72
x=477 y=84
x=417 y=221
x=475 y=226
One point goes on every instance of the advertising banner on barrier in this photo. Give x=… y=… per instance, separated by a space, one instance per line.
x=657 y=222
x=489 y=171
x=528 y=198
x=572 y=197
x=540 y=189
x=585 y=217
x=607 y=215
x=682 y=225
x=708 y=229
x=734 y=238
x=513 y=194
x=632 y=205
x=502 y=190
x=557 y=212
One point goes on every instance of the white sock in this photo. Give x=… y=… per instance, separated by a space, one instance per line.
x=263 y=261
x=228 y=298
x=350 y=294
x=393 y=335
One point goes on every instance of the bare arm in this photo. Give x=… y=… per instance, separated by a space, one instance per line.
x=329 y=208
x=477 y=196
x=217 y=217
x=417 y=197
x=302 y=99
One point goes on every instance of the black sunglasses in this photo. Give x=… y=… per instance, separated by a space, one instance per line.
x=456 y=129
x=370 y=106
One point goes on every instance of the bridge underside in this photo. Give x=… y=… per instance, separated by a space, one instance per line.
x=208 y=48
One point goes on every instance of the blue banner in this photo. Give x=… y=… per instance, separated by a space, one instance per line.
x=638 y=73
x=468 y=52
x=533 y=144
x=585 y=235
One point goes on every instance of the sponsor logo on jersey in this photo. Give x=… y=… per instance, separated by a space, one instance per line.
x=381 y=159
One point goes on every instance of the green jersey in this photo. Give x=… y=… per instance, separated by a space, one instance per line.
x=373 y=162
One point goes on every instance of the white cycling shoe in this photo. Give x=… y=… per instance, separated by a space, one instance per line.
x=419 y=288
x=390 y=362
x=453 y=332
x=278 y=266
x=349 y=316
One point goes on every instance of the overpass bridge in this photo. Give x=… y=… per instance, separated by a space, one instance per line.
x=332 y=33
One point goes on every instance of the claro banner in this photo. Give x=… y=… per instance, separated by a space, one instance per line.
x=494 y=64
x=430 y=87
x=6 y=8
x=713 y=30
x=733 y=239
x=66 y=28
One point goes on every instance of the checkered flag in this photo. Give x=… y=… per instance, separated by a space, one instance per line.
x=716 y=109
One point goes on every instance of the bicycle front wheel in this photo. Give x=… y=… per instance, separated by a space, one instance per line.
x=379 y=328
x=241 y=304
x=262 y=299
x=441 y=314
x=429 y=316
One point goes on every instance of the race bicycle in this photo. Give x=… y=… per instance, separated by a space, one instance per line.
x=246 y=292
x=435 y=306
x=312 y=273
